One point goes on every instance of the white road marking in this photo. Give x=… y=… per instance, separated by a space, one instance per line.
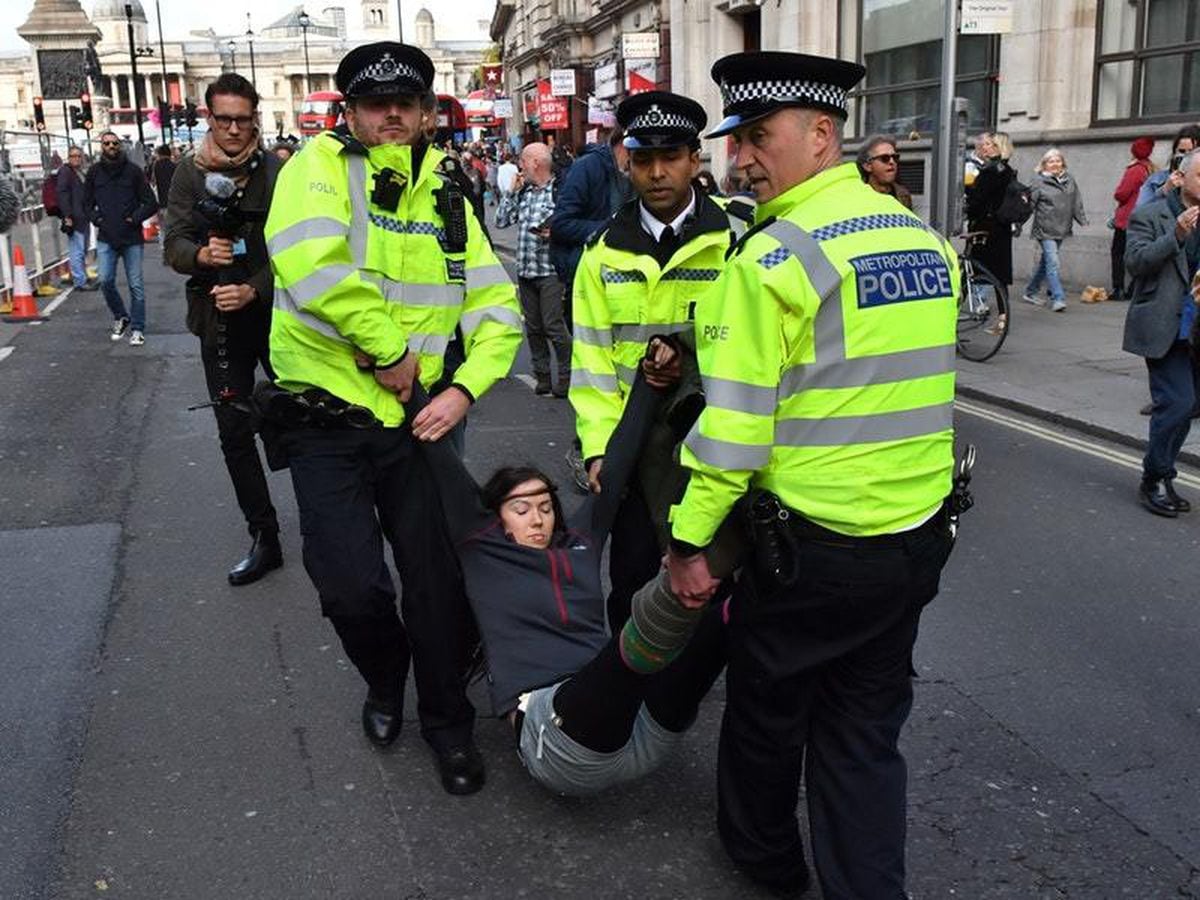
x=1091 y=448
x=57 y=301
x=6 y=352
x=528 y=380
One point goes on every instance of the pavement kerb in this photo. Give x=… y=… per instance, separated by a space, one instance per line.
x=1189 y=457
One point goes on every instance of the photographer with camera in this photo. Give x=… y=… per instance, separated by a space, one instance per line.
x=217 y=205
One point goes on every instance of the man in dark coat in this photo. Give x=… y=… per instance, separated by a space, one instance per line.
x=73 y=213
x=118 y=198
x=1162 y=253
x=229 y=296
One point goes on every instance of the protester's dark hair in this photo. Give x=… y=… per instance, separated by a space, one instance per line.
x=164 y=151
x=504 y=479
x=707 y=182
x=1191 y=132
x=616 y=136
x=867 y=150
x=231 y=83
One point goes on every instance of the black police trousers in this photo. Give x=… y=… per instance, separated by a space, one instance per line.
x=819 y=681
x=236 y=430
x=354 y=488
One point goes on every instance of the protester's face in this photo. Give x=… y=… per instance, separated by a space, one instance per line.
x=75 y=158
x=527 y=514
x=1189 y=182
x=1053 y=164
x=110 y=146
x=231 y=119
x=882 y=164
x=786 y=148
x=662 y=179
x=985 y=147
x=391 y=119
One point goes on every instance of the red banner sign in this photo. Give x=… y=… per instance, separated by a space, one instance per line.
x=554 y=112
x=493 y=79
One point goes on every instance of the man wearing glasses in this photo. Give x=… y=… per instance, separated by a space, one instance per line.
x=879 y=163
x=74 y=217
x=229 y=293
x=117 y=198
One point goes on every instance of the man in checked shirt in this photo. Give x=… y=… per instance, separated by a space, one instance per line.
x=530 y=204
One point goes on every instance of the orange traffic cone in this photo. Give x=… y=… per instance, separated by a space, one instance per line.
x=24 y=307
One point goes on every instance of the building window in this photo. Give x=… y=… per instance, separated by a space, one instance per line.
x=902 y=50
x=1147 y=60
x=900 y=43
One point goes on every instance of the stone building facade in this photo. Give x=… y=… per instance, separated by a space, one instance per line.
x=194 y=61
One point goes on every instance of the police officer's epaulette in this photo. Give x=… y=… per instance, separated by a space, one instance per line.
x=594 y=238
x=740 y=210
x=750 y=232
x=350 y=144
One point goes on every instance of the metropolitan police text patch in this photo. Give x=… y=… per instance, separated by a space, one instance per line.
x=901 y=276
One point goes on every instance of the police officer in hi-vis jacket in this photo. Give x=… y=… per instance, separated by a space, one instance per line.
x=378 y=258
x=827 y=357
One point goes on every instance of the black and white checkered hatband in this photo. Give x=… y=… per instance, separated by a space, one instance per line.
x=737 y=95
x=387 y=70
x=655 y=120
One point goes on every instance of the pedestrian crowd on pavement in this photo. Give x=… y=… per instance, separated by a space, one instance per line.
x=761 y=372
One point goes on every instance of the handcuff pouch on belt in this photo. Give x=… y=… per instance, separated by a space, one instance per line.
x=774 y=546
x=278 y=411
x=960 y=499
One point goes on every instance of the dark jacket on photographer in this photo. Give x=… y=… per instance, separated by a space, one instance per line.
x=188 y=230
x=118 y=199
x=71 y=206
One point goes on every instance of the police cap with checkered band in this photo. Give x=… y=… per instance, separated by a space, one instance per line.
x=755 y=85
x=659 y=119
x=383 y=68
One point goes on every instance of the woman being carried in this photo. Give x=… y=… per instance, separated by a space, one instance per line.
x=590 y=710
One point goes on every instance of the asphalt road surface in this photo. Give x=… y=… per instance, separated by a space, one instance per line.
x=166 y=735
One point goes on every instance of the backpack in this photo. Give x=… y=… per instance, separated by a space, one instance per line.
x=50 y=194
x=1017 y=205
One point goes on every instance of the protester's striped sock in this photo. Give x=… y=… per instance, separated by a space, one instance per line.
x=658 y=628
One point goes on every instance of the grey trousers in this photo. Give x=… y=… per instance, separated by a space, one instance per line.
x=545 y=324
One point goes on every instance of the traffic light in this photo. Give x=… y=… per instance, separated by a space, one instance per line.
x=39 y=116
x=76 y=118
x=190 y=114
x=164 y=115
x=85 y=113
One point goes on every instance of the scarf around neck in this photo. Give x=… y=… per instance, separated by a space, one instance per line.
x=211 y=158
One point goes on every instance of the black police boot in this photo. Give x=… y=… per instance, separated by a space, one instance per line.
x=461 y=768
x=1157 y=499
x=381 y=719
x=265 y=554
x=1180 y=504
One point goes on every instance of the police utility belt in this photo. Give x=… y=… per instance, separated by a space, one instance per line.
x=776 y=532
x=313 y=408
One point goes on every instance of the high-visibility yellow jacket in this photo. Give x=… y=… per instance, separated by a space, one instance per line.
x=622 y=297
x=351 y=273
x=827 y=357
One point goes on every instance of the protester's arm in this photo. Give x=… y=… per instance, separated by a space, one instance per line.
x=622 y=453
x=1077 y=211
x=1145 y=251
x=506 y=212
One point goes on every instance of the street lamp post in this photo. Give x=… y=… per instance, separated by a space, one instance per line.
x=304 y=22
x=162 y=58
x=250 y=41
x=137 y=93
x=232 y=55
x=400 y=20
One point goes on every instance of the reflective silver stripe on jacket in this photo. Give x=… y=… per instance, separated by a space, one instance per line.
x=642 y=333
x=429 y=344
x=740 y=396
x=316 y=283
x=584 y=378
x=486 y=276
x=626 y=373
x=502 y=314
x=283 y=301
x=832 y=368
x=306 y=229
x=359 y=214
x=417 y=293
x=727 y=454
x=837 y=431
x=596 y=337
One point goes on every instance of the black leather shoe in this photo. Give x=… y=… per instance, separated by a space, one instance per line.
x=542 y=387
x=1180 y=504
x=461 y=769
x=1156 y=498
x=381 y=720
x=265 y=554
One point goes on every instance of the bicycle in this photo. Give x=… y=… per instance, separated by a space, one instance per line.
x=983 y=311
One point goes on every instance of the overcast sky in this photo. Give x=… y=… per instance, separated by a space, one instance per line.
x=454 y=19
